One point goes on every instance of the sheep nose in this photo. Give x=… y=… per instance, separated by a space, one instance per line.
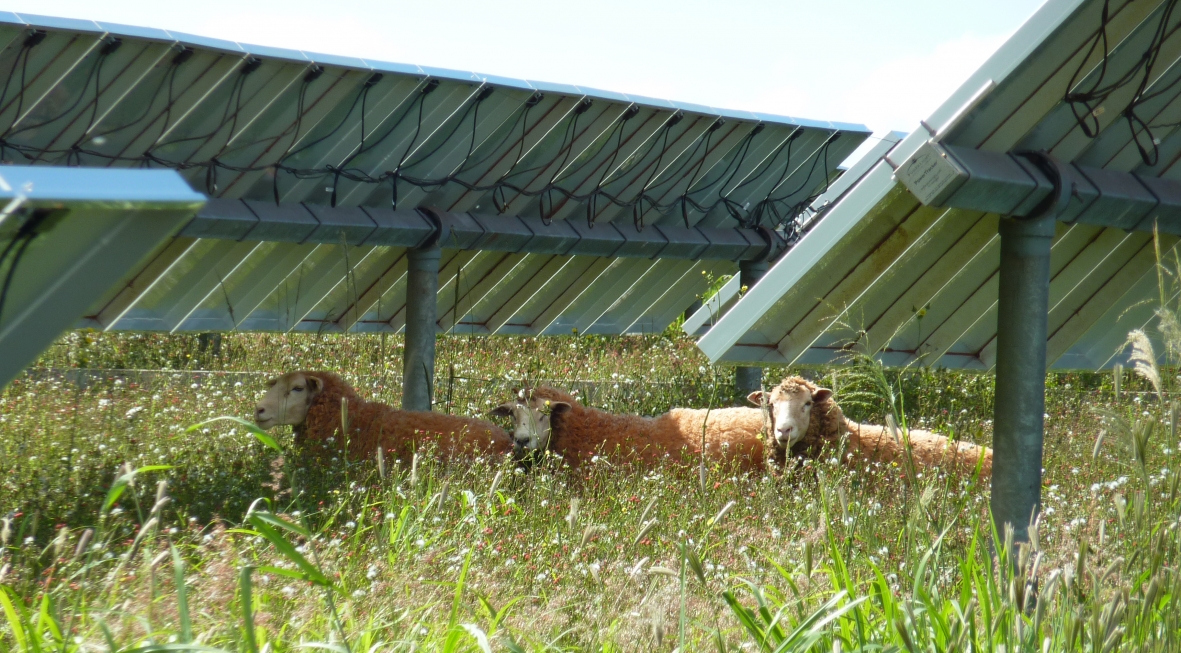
x=785 y=433
x=260 y=411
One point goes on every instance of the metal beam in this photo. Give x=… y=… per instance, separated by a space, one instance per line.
x=1019 y=407
x=1022 y=185
x=295 y=222
x=418 y=363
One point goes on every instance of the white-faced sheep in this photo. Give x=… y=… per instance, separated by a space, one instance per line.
x=552 y=420
x=311 y=402
x=807 y=420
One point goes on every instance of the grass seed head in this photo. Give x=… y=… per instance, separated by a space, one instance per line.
x=590 y=531
x=572 y=516
x=644 y=530
x=83 y=542
x=59 y=542
x=722 y=513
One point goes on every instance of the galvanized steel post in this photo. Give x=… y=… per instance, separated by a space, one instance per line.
x=1020 y=398
x=749 y=379
x=418 y=363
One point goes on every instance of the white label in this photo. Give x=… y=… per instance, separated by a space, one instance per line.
x=930 y=175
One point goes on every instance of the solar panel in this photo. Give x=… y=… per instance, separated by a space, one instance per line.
x=308 y=154
x=920 y=282
x=66 y=236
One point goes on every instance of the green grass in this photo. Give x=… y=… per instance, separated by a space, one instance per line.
x=448 y=556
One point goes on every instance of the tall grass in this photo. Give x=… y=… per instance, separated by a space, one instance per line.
x=125 y=531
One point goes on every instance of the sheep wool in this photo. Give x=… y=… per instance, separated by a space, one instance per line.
x=583 y=432
x=372 y=424
x=875 y=443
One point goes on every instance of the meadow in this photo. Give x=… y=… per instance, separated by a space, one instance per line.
x=126 y=529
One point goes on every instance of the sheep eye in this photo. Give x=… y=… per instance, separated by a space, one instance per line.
x=297 y=389
x=807 y=403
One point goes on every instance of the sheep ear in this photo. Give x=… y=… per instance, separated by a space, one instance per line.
x=821 y=394
x=503 y=410
x=315 y=385
x=757 y=397
x=559 y=407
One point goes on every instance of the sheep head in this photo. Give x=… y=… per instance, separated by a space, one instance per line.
x=287 y=401
x=791 y=408
x=532 y=417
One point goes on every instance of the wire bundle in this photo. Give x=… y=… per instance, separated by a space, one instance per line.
x=1087 y=104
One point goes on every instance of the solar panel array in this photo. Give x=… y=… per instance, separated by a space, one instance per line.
x=281 y=129
x=66 y=235
x=918 y=283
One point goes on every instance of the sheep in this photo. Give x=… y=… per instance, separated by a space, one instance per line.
x=553 y=420
x=311 y=402
x=807 y=419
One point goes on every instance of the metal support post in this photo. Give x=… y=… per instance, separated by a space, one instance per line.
x=1020 y=398
x=749 y=379
x=418 y=363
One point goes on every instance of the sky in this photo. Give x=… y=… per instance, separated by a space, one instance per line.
x=882 y=63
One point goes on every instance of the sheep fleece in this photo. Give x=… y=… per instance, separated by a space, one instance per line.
x=399 y=432
x=871 y=442
x=582 y=432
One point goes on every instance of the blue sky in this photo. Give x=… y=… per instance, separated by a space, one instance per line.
x=883 y=63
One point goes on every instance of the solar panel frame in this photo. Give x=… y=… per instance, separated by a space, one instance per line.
x=223 y=113
x=946 y=314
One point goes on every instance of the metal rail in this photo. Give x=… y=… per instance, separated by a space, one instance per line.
x=246 y=220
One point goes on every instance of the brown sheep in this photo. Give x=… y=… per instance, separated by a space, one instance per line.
x=553 y=420
x=796 y=401
x=311 y=403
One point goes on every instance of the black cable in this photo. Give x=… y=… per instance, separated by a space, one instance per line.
x=25 y=234
x=638 y=217
x=20 y=253
x=1084 y=103
x=1138 y=127
x=691 y=167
